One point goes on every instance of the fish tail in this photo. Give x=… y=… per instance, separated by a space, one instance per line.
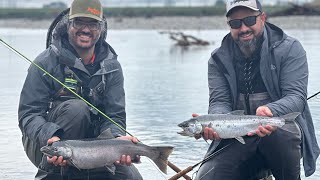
x=290 y=116
x=162 y=160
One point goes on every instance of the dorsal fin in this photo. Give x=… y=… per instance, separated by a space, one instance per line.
x=237 y=112
x=106 y=134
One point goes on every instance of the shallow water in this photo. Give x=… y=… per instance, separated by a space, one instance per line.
x=164 y=84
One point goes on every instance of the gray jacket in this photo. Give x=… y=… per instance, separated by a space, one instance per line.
x=39 y=89
x=284 y=71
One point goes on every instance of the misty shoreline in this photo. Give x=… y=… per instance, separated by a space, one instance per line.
x=171 y=23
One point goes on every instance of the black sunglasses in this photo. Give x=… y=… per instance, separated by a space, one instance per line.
x=248 y=21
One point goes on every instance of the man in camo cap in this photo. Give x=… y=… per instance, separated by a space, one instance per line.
x=79 y=56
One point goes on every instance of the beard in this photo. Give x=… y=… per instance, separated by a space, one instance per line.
x=248 y=48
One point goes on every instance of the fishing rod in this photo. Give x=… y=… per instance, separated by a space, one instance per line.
x=65 y=86
x=172 y=166
x=190 y=168
x=314 y=95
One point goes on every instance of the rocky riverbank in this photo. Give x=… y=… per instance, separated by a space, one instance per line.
x=172 y=23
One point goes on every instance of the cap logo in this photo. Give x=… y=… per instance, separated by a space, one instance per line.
x=94 y=11
x=237 y=1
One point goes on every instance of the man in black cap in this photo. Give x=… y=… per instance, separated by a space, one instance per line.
x=263 y=71
x=79 y=57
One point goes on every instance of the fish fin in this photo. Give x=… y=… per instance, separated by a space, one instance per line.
x=203 y=138
x=73 y=164
x=210 y=125
x=240 y=139
x=206 y=141
x=111 y=168
x=162 y=160
x=290 y=130
x=290 y=116
x=237 y=112
x=106 y=134
x=253 y=132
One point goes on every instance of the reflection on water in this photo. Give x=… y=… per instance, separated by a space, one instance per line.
x=164 y=85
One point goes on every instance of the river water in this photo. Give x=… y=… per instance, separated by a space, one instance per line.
x=164 y=84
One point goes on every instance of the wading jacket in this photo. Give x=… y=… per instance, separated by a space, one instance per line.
x=106 y=87
x=284 y=71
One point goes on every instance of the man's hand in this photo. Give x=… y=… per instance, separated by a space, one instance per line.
x=263 y=130
x=264 y=111
x=208 y=133
x=56 y=160
x=126 y=159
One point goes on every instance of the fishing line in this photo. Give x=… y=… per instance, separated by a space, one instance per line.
x=65 y=86
x=92 y=106
x=313 y=95
x=214 y=154
x=190 y=168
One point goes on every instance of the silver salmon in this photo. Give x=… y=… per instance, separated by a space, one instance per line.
x=104 y=151
x=232 y=125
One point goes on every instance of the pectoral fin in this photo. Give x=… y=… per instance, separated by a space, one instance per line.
x=111 y=168
x=106 y=134
x=241 y=140
x=73 y=164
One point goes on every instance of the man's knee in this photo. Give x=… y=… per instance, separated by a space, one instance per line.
x=75 y=107
x=70 y=110
x=127 y=172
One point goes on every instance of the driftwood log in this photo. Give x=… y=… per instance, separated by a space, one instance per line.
x=306 y=9
x=184 y=39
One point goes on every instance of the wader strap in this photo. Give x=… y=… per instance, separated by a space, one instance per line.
x=254 y=101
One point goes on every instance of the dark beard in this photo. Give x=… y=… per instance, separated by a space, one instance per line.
x=248 y=48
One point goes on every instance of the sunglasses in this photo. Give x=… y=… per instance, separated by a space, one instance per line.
x=94 y=26
x=248 y=21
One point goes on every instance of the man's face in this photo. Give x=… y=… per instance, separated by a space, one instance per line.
x=247 y=31
x=84 y=33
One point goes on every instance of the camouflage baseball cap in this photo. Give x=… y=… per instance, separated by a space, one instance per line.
x=86 y=8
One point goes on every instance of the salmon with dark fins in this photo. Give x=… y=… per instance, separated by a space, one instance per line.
x=104 y=151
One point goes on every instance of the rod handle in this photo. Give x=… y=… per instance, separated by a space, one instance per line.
x=181 y=173
x=177 y=170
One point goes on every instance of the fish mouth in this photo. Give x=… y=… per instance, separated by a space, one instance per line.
x=185 y=129
x=46 y=151
x=185 y=132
